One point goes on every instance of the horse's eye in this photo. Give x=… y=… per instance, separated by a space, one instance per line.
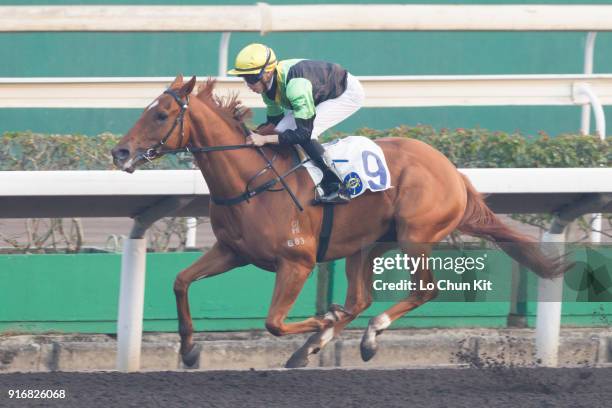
x=161 y=116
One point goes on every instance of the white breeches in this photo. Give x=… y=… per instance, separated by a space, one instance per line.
x=332 y=111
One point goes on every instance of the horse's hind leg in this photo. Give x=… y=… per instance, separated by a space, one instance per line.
x=358 y=298
x=416 y=298
x=216 y=261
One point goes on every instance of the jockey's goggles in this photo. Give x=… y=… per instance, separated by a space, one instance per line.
x=252 y=79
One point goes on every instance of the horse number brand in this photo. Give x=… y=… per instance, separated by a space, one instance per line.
x=296 y=242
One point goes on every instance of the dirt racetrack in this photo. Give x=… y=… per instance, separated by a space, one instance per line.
x=473 y=388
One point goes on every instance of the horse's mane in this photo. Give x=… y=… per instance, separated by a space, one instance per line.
x=229 y=107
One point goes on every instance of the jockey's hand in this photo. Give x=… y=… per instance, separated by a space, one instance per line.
x=260 y=140
x=256 y=139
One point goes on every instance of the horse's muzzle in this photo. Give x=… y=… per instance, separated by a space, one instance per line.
x=120 y=154
x=121 y=158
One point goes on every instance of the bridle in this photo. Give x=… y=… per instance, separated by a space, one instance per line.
x=155 y=152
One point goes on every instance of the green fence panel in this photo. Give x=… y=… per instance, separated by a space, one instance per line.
x=79 y=293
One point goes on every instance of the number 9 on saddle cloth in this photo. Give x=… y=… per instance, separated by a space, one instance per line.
x=355 y=160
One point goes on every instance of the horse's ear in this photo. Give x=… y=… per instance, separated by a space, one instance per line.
x=178 y=81
x=188 y=87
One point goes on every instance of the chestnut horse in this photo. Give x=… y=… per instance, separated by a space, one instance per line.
x=429 y=200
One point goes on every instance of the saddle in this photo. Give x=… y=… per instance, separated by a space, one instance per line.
x=359 y=161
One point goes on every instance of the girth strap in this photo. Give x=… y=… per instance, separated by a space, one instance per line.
x=326 y=230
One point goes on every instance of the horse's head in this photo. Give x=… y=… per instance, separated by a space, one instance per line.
x=161 y=126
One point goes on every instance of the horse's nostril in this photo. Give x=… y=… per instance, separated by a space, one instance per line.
x=120 y=154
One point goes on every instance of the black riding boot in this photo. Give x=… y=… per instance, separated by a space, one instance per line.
x=334 y=190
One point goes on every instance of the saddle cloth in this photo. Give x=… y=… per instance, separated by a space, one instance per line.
x=360 y=162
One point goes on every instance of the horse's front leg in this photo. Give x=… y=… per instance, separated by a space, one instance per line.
x=218 y=260
x=290 y=279
x=358 y=298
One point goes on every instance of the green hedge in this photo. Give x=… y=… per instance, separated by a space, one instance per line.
x=35 y=151
x=464 y=147
x=484 y=148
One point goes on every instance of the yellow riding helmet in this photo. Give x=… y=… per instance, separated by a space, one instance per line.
x=254 y=59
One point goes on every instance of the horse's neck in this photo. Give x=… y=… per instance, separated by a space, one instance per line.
x=226 y=172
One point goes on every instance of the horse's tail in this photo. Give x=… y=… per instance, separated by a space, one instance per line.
x=478 y=220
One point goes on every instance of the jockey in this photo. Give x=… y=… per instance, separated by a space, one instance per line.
x=304 y=98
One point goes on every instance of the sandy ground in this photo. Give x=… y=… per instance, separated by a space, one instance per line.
x=491 y=387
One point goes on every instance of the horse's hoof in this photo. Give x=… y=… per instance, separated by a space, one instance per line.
x=368 y=350
x=299 y=359
x=191 y=359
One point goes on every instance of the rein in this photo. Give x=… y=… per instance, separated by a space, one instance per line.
x=154 y=152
